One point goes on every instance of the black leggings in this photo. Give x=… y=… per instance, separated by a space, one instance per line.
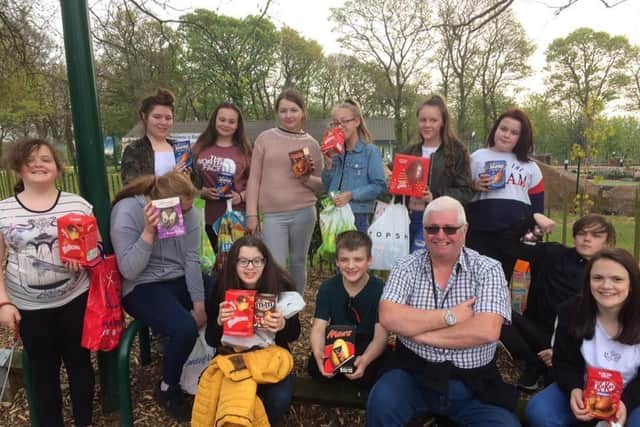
x=524 y=339
x=50 y=336
x=497 y=245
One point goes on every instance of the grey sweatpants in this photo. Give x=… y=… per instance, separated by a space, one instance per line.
x=288 y=236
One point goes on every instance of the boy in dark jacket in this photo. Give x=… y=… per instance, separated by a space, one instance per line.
x=557 y=274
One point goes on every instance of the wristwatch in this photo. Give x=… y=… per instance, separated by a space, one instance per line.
x=449 y=318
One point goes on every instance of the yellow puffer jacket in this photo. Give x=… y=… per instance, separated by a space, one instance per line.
x=226 y=393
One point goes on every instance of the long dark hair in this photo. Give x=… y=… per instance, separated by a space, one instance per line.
x=524 y=147
x=19 y=154
x=450 y=140
x=239 y=138
x=272 y=281
x=171 y=184
x=584 y=320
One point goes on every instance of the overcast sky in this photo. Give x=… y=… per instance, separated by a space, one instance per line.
x=311 y=19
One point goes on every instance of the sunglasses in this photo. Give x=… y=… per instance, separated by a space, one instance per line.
x=354 y=316
x=449 y=230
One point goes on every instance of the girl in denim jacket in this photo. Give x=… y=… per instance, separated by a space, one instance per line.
x=357 y=175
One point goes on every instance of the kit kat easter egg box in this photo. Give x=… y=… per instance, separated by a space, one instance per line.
x=171 y=220
x=409 y=176
x=602 y=392
x=78 y=238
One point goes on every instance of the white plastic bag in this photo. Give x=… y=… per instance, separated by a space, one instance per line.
x=198 y=360
x=390 y=236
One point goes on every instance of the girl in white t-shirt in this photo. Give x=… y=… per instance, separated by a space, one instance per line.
x=508 y=187
x=600 y=329
x=42 y=297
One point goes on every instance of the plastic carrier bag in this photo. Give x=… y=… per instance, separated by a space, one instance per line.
x=333 y=221
x=390 y=236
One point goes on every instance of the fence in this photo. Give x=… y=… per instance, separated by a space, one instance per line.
x=68 y=181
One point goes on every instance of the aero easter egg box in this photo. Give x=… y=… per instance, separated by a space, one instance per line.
x=409 y=176
x=171 y=220
x=182 y=152
x=242 y=302
x=339 y=349
x=495 y=170
x=78 y=238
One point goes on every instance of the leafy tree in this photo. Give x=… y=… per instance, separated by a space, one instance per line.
x=392 y=34
x=633 y=69
x=586 y=70
x=504 y=53
x=587 y=65
x=136 y=55
x=300 y=60
x=229 y=58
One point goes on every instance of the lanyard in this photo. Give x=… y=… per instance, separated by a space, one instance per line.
x=433 y=285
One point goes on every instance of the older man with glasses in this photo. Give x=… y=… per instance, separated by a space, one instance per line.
x=446 y=303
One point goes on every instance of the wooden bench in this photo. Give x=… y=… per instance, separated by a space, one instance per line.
x=339 y=393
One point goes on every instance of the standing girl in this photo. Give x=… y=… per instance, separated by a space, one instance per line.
x=40 y=296
x=509 y=194
x=449 y=173
x=286 y=201
x=600 y=329
x=153 y=153
x=357 y=175
x=222 y=150
x=162 y=284
x=251 y=266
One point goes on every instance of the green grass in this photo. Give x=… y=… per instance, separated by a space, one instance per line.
x=624 y=226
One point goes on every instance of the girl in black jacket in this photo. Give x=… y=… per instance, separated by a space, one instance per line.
x=600 y=328
x=251 y=266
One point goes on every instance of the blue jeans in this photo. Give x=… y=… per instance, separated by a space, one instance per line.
x=362 y=221
x=416 y=231
x=276 y=398
x=399 y=395
x=550 y=408
x=166 y=308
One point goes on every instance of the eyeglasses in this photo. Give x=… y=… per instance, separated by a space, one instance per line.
x=256 y=262
x=352 y=312
x=342 y=122
x=449 y=230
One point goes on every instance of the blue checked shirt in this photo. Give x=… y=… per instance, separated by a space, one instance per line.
x=475 y=275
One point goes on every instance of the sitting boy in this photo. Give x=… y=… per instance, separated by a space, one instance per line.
x=350 y=298
x=557 y=274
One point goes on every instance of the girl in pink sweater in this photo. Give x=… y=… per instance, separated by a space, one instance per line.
x=287 y=201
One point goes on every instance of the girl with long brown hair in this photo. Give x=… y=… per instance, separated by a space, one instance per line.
x=222 y=158
x=449 y=170
x=162 y=283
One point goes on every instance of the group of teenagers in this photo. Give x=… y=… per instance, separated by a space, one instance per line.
x=447 y=303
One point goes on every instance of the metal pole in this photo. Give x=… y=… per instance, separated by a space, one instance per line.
x=90 y=151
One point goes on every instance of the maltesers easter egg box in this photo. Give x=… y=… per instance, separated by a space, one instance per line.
x=409 y=176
